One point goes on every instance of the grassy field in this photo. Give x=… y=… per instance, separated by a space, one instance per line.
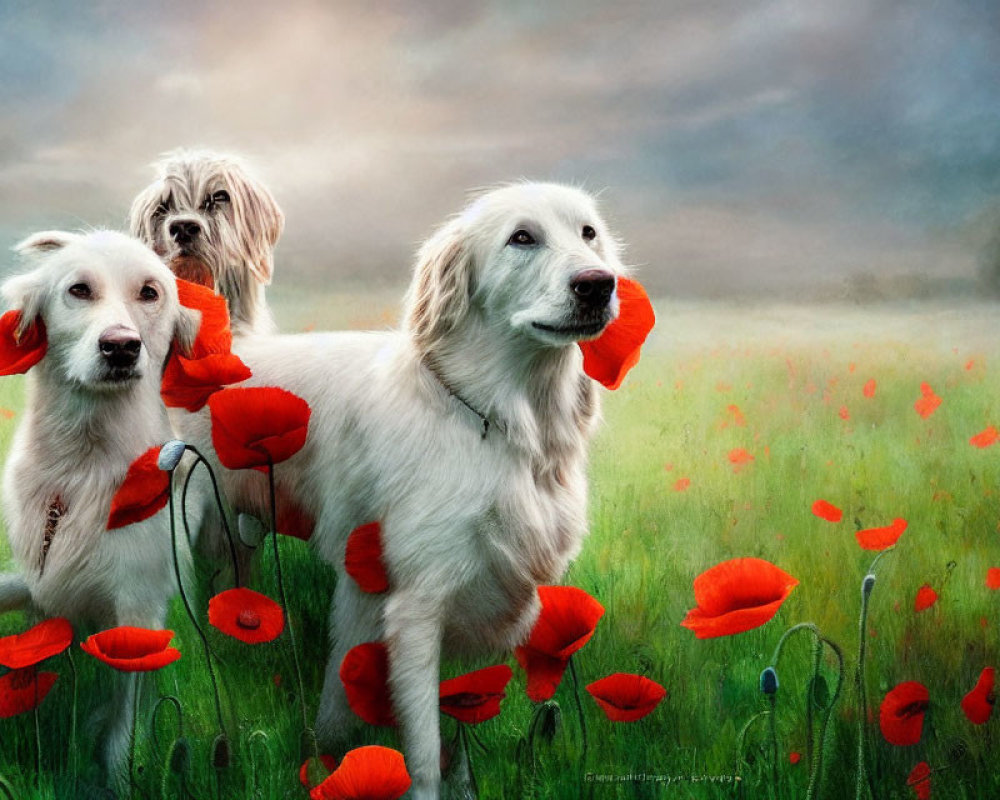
x=785 y=385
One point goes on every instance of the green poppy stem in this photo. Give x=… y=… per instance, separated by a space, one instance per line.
x=218 y=502
x=72 y=714
x=816 y=764
x=583 y=721
x=310 y=746
x=136 y=678
x=863 y=777
x=190 y=612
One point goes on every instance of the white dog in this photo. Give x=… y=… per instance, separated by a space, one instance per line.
x=214 y=224
x=111 y=312
x=464 y=434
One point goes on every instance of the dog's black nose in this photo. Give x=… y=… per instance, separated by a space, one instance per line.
x=120 y=349
x=593 y=287
x=184 y=231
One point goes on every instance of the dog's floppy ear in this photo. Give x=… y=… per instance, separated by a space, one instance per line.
x=442 y=286
x=186 y=329
x=140 y=215
x=27 y=292
x=258 y=217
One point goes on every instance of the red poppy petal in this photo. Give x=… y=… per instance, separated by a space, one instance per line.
x=544 y=672
x=794 y=757
x=144 y=491
x=881 y=538
x=901 y=715
x=993 y=578
x=214 y=335
x=257 y=425
x=869 y=389
x=926 y=597
x=246 y=615
x=363 y=558
x=19 y=354
x=188 y=383
x=920 y=781
x=365 y=675
x=625 y=697
x=46 y=639
x=827 y=511
x=978 y=704
x=567 y=620
x=323 y=763
x=985 y=438
x=22 y=690
x=476 y=696
x=131 y=649
x=294 y=521
x=608 y=358
x=928 y=402
x=367 y=773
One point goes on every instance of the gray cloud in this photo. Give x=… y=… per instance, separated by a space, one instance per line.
x=742 y=145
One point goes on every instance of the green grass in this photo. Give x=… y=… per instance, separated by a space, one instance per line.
x=789 y=372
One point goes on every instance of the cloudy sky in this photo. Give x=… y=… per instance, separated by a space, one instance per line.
x=740 y=145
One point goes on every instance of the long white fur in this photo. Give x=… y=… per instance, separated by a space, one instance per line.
x=77 y=437
x=471 y=524
x=238 y=236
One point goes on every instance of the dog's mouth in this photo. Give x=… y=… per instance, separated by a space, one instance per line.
x=191 y=268
x=119 y=376
x=576 y=331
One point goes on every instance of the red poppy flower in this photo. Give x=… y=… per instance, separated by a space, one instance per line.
x=145 y=490
x=188 y=382
x=682 y=484
x=625 y=697
x=475 y=697
x=363 y=558
x=131 y=649
x=736 y=596
x=901 y=715
x=827 y=511
x=20 y=353
x=46 y=639
x=314 y=765
x=928 y=402
x=23 y=690
x=869 y=390
x=844 y=413
x=567 y=621
x=794 y=757
x=739 y=458
x=608 y=358
x=985 y=438
x=993 y=578
x=246 y=615
x=367 y=773
x=920 y=781
x=214 y=335
x=365 y=675
x=881 y=538
x=978 y=704
x=252 y=427
x=926 y=597
x=294 y=521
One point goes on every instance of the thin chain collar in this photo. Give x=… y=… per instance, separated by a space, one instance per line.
x=487 y=423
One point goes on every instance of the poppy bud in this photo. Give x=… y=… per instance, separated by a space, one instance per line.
x=549 y=719
x=222 y=755
x=170 y=455
x=769 y=681
x=868 y=584
x=180 y=756
x=251 y=530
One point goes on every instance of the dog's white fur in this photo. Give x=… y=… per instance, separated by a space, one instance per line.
x=82 y=428
x=471 y=524
x=238 y=223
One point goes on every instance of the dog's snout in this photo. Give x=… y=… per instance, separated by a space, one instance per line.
x=593 y=287
x=120 y=348
x=184 y=231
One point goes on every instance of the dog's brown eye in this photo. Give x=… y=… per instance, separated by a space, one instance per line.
x=589 y=233
x=80 y=290
x=521 y=237
x=148 y=294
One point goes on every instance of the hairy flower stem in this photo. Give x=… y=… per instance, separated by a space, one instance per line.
x=190 y=611
x=72 y=715
x=864 y=778
x=816 y=763
x=311 y=745
x=583 y=722
x=218 y=502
